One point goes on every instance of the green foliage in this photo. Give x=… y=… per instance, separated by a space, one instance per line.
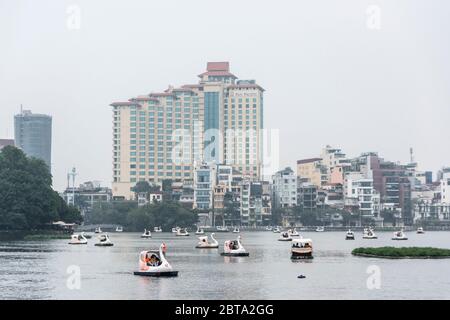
x=134 y=218
x=141 y=187
x=394 y=252
x=308 y=218
x=27 y=200
x=111 y=213
x=164 y=214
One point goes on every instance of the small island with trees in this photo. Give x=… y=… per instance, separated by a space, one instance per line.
x=402 y=253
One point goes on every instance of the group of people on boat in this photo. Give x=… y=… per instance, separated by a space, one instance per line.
x=152 y=260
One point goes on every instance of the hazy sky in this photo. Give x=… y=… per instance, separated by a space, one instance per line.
x=329 y=78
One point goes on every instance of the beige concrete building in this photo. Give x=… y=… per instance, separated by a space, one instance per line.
x=163 y=135
x=312 y=171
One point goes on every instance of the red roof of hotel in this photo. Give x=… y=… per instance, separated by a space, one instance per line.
x=192 y=86
x=218 y=66
x=161 y=94
x=217 y=74
x=308 y=160
x=143 y=98
x=124 y=103
x=182 y=89
x=218 y=69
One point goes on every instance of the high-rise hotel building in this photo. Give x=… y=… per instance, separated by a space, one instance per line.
x=165 y=135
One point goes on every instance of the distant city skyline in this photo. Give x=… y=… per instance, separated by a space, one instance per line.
x=329 y=80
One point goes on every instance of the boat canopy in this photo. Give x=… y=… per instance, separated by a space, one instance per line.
x=301 y=242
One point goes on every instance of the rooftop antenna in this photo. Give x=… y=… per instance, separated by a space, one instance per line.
x=21 y=108
x=411 y=153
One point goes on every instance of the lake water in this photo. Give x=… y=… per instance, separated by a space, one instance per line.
x=38 y=269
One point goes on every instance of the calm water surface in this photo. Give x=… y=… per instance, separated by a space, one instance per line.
x=38 y=269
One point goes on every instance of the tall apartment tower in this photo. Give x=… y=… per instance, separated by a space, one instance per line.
x=165 y=135
x=33 y=134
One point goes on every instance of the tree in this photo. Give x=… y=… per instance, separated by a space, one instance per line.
x=27 y=200
x=141 y=187
x=164 y=214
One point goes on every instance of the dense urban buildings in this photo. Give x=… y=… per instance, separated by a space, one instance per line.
x=165 y=135
x=204 y=142
x=33 y=134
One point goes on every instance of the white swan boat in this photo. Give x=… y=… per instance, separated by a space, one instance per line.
x=276 y=230
x=236 y=230
x=199 y=231
x=222 y=229
x=369 y=234
x=175 y=230
x=147 y=234
x=350 y=235
x=268 y=228
x=285 y=236
x=400 y=235
x=78 y=239
x=294 y=232
x=119 y=229
x=182 y=233
x=157 y=229
x=320 y=229
x=153 y=263
x=104 y=241
x=204 y=243
x=234 y=248
x=420 y=230
x=98 y=230
x=301 y=249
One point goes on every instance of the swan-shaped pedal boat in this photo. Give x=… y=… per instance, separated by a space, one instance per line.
x=368 y=233
x=203 y=243
x=153 y=263
x=400 y=235
x=199 y=231
x=78 y=239
x=157 y=229
x=147 y=234
x=350 y=235
x=285 y=236
x=104 y=241
x=234 y=248
x=294 y=232
x=182 y=233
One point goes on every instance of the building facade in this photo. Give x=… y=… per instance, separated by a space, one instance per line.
x=313 y=171
x=284 y=184
x=445 y=186
x=33 y=134
x=163 y=135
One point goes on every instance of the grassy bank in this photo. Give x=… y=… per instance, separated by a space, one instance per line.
x=36 y=235
x=403 y=253
x=40 y=237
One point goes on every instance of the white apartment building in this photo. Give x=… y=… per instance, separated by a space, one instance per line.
x=445 y=186
x=204 y=183
x=358 y=188
x=285 y=188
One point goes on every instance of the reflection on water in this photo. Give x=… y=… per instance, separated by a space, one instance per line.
x=39 y=269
